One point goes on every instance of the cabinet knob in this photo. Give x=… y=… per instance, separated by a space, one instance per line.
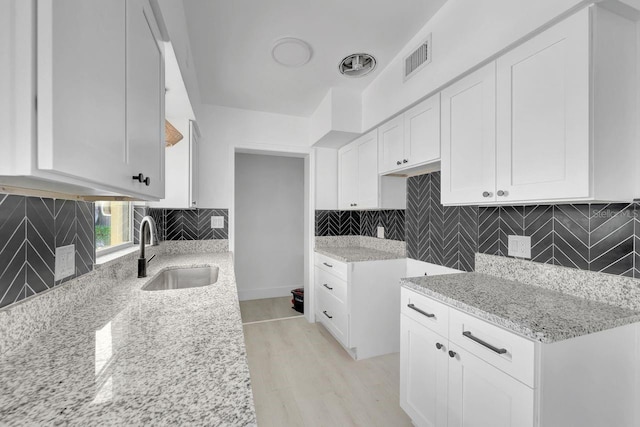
x=147 y=181
x=502 y=193
x=452 y=354
x=193 y=203
x=398 y=163
x=139 y=178
x=405 y=161
x=438 y=346
x=487 y=194
x=355 y=204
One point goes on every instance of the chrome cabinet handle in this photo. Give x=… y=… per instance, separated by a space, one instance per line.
x=502 y=193
x=438 y=346
x=424 y=313
x=328 y=287
x=328 y=265
x=325 y=313
x=487 y=194
x=484 y=343
x=452 y=354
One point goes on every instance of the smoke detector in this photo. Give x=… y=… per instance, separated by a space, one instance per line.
x=357 y=65
x=291 y=52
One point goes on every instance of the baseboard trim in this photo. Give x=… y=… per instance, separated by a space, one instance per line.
x=251 y=294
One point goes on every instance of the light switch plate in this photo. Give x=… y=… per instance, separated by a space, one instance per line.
x=217 y=222
x=520 y=246
x=380 y=232
x=65 y=261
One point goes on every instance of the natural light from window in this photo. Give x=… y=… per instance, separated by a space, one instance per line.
x=113 y=224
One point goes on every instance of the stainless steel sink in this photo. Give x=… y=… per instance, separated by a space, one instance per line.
x=183 y=278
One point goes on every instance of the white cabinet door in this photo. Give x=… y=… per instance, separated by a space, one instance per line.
x=81 y=91
x=422 y=132
x=468 y=138
x=348 y=159
x=194 y=170
x=368 y=180
x=543 y=115
x=145 y=99
x=481 y=395
x=391 y=139
x=423 y=374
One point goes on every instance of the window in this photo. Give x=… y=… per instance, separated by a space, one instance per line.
x=113 y=225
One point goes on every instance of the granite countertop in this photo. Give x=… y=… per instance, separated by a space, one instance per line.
x=537 y=313
x=135 y=357
x=357 y=253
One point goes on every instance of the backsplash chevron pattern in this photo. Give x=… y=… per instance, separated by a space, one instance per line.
x=360 y=223
x=597 y=237
x=30 y=230
x=183 y=224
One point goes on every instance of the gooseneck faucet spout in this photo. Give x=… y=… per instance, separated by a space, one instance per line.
x=146 y=225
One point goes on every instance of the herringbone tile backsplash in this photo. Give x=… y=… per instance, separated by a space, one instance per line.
x=30 y=230
x=596 y=237
x=183 y=224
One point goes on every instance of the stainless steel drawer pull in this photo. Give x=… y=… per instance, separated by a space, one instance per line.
x=325 y=313
x=328 y=265
x=484 y=343
x=328 y=287
x=424 y=313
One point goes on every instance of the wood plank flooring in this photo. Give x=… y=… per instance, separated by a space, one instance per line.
x=266 y=309
x=301 y=376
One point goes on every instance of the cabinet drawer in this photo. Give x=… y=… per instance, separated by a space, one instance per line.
x=331 y=284
x=333 y=315
x=511 y=353
x=425 y=311
x=332 y=266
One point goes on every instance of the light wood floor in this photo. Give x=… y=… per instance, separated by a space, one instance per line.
x=266 y=309
x=301 y=376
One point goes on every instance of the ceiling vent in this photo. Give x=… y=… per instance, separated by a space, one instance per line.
x=357 y=65
x=417 y=59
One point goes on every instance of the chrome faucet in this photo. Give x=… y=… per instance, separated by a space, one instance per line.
x=147 y=224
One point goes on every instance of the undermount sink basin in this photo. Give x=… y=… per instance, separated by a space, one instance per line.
x=183 y=278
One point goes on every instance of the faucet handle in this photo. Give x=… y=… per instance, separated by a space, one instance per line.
x=152 y=257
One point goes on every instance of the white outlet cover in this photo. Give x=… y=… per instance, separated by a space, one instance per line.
x=380 y=232
x=217 y=222
x=520 y=246
x=65 y=261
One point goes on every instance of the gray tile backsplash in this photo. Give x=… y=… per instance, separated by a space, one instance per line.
x=183 y=224
x=30 y=230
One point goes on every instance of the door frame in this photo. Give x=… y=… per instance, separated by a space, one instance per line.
x=308 y=155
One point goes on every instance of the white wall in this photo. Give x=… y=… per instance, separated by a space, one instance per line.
x=223 y=129
x=464 y=34
x=269 y=225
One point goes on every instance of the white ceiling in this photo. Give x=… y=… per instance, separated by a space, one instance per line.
x=231 y=42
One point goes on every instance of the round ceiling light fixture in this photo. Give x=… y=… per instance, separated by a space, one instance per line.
x=291 y=52
x=357 y=65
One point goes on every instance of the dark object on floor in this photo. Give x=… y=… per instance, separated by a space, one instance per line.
x=298 y=300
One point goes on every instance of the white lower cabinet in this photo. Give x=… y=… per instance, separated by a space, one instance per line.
x=457 y=370
x=358 y=304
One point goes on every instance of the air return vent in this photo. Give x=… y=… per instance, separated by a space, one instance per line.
x=417 y=59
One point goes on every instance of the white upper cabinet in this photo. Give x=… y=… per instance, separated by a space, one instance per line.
x=391 y=136
x=145 y=99
x=92 y=115
x=468 y=138
x=181 y=183
x=360 y=186
x=557 y=127
x=81 y=90
x=412 y=138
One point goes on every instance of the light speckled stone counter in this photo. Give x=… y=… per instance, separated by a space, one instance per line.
x=357 y=254
x=132 y=357
x=537 y=313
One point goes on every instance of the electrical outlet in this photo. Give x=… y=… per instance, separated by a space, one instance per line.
x=65 y=261
x=380 y=232
x=217 y=222
x=520 y=246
